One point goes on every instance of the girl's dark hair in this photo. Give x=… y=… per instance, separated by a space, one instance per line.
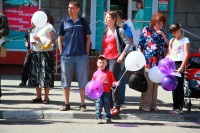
x=49 y=16
x=174 y=27
x=119 y=13
x=139 y=1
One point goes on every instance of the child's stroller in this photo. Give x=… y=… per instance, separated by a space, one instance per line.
x=192 y=79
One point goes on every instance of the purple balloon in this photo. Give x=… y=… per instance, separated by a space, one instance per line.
x=169 y=83
x=166 y=66
x=94 y=89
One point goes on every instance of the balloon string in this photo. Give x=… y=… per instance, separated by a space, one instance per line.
x=119 y=80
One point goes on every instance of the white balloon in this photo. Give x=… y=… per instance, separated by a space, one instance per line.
x=39 y=19
x=134 y=61
x=155 y=75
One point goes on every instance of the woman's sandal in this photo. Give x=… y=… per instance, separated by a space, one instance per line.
x=46 y=101
x=36 y=100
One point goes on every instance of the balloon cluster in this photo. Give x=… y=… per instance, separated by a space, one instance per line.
x=163 y=74
x=134 y=61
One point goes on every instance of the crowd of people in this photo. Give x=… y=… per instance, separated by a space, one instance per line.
x=118 y=39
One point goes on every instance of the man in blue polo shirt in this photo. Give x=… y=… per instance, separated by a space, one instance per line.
x=74 y=47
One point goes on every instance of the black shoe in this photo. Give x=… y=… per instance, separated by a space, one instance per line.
x=65 y=107
x=83 y=108
x=108 y=121
x=36 y=100
x=22 y=84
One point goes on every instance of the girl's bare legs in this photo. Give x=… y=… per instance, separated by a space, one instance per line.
x=46 y=92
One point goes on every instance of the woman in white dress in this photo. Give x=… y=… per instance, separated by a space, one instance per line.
x=42 y=63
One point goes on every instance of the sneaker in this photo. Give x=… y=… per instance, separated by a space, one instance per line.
x=176 y=112
x=170 y=112
x=144 y=109
x=115 y=111
x=83 y=108
x=155 y=109
x=65 y=107
x=108 y=121
x=99 y=121
x=181 y=111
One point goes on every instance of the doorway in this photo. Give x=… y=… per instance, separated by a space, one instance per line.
x=119 y=5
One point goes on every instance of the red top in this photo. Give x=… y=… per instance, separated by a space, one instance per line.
x=106 y=78
x=110 y=47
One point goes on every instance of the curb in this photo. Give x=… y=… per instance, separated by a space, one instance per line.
x=21 y=115
x=91 y=115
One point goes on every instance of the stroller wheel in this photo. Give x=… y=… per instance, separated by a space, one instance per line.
x=189 y=107
x=185 y=104
x=199 y=105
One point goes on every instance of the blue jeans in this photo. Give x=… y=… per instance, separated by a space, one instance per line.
x=103 y=101
x=122 y=85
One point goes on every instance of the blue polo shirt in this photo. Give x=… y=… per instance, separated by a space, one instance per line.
x=74 y=43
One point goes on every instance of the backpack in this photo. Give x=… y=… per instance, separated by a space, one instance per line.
x=84 y=30
x=130 y=25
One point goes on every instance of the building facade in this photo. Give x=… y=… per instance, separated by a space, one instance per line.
x=185 y=12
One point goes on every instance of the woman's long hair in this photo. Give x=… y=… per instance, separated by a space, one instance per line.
x=49 y=16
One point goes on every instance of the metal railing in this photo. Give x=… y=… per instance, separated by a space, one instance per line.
x=189 y=33
x=143 y=21
x=193 y=35
x=58 y=61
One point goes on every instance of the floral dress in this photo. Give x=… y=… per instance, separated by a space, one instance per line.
x=152 y=45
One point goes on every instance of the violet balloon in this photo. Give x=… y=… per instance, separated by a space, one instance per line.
x=169 y=83
x=166 y=66
x=94 y=89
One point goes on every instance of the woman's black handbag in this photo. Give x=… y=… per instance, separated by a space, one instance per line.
x=137 y=81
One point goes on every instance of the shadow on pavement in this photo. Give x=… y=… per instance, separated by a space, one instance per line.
x=30 y=122
x=193 y=127
x=139 y=123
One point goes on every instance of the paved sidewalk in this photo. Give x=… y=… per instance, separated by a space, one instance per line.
x=15 y=104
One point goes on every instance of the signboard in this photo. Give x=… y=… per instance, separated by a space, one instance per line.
x=163 y=5
x=19 y=14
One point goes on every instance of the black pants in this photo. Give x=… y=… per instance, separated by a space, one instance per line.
x=26 y=67
x=178 y=93
x=0 y=86
x=115 y=68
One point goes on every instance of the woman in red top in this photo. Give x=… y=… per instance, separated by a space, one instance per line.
x=115 y=46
